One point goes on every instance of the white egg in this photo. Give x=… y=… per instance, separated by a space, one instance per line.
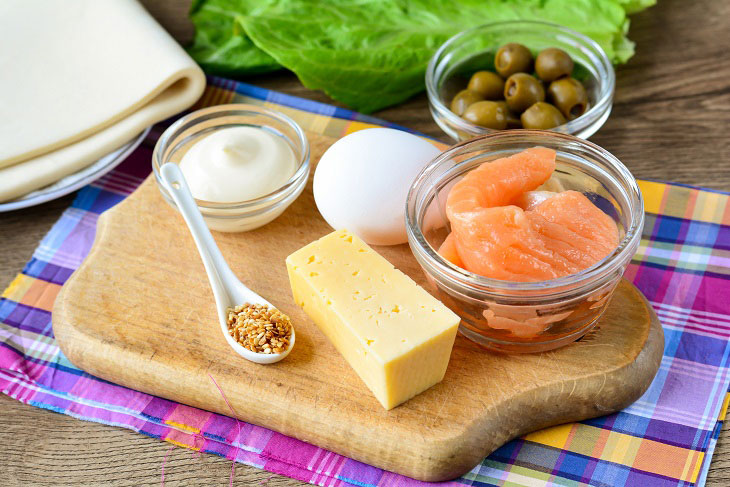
x=362 y=181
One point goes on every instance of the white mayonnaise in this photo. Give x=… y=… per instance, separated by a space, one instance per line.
x=236 y=164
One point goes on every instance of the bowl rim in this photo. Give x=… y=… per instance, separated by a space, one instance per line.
x=232 y=109
x=607 y=85
x=476 y=282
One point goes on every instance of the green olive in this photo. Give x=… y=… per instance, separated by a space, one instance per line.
x=489 y=114
x=513 y=121
x=542 y=116
x=569 y=95
x=553 y=63
x=513 y=58
x=522 y=91
x=463 y=99
x=489 y=85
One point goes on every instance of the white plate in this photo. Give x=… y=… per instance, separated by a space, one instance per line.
x=74 y=181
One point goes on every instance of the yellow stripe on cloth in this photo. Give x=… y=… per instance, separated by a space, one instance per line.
x=723 y=409
x=41 y=294
x=18 y=287
x=182 y=426
x=611 y=446
x=32 y=292
x=653 y=194
x=709 y=207
x=182 y=445
x=686 y=203
x=556 y=437
x=214 y=95
x=354 y=126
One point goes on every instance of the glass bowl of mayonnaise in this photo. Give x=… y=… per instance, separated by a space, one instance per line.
x=244 y=164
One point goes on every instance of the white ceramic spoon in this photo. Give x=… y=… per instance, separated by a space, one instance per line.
x=227 y=289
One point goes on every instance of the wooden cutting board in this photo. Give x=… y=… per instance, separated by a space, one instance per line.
x=139 y=312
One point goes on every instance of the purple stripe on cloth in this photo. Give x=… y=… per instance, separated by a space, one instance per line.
x=26 y=318
x=46 y=271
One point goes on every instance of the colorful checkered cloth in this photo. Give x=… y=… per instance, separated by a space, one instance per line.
x=666 y=438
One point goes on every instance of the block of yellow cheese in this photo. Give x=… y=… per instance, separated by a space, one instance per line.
x=396 y=336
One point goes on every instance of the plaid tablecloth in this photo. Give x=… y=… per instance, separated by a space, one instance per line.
x=666 y=438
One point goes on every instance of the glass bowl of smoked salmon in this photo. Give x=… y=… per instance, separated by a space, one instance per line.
x=525 y=234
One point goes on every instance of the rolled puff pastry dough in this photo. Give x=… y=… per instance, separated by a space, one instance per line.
x=79 y=79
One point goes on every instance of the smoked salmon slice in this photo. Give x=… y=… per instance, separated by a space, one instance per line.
x=503 y=228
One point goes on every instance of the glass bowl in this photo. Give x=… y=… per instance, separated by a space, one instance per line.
x=526 y=316
x=242 y=215
x=472 y=50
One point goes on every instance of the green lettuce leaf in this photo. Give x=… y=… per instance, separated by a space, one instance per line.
x=221 y=45
x=370 y=54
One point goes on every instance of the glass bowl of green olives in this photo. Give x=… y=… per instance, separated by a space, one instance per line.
x=520 y=74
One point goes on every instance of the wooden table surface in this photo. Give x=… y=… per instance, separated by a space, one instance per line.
x=670 y=121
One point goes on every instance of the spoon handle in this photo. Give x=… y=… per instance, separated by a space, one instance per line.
x=215 y=265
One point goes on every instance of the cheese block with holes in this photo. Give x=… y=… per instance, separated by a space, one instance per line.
x=396 y=336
